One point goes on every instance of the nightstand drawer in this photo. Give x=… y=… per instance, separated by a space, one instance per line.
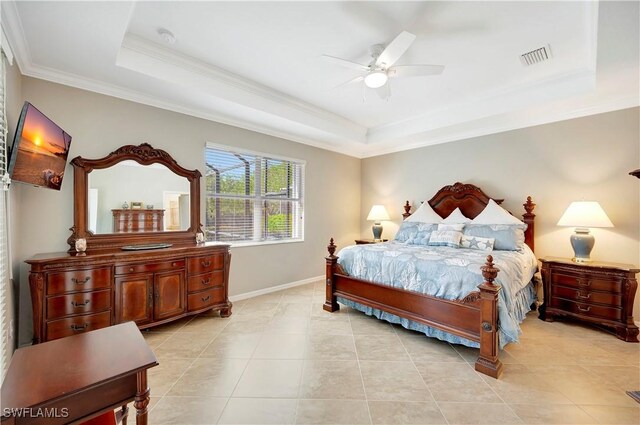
x=586 y=309
x=583 y=295
x=588 y=282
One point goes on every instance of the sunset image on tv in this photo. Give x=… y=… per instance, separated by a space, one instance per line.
x=40 y=150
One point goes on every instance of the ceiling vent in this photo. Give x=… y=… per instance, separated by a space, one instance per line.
x=536 y=56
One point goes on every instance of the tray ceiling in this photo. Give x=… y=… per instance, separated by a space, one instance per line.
x=256 y=64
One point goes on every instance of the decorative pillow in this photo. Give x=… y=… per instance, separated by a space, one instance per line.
x=508 y=237
x=415 y=233
x=495 y=214
x=476 y=242
x=424 y=214
x=456 y=216
x=445 y=238
x=456 y=227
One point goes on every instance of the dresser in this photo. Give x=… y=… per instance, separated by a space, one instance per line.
x=142 y=220
x=595 y=292
x=73 y=293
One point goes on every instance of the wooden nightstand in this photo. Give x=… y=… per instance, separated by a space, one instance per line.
x=367 y=241
x=596 y=292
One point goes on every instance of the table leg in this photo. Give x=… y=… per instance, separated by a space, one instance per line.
x=142 y=398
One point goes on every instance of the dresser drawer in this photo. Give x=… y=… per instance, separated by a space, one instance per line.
x=583 y=295
x=591 y=282
x=82 y=302
x=150 y=268
x=586 y=309
x=205 y=298
x=78 y=280
x=203 y=281
x=206 y=263
x=78 y=324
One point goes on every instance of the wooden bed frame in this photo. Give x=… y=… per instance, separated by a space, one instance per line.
x=474 y=317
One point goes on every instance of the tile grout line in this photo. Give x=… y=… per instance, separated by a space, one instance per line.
x=364 y=388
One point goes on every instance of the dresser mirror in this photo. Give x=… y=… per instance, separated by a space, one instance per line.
x=134 y=195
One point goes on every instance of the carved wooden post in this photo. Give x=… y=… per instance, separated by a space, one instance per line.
x=36 y=285
x=488 y=362
x=529 y=217
x=330 y=303
x=407 y=208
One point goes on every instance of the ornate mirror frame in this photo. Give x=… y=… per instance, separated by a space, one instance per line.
x=144 y=154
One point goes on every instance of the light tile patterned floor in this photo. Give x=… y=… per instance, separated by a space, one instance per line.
x=281 y=359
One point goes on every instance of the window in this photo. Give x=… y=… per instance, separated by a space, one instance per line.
x=253 y=197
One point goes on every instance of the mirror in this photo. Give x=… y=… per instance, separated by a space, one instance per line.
x=134 y=195
x=131 y=197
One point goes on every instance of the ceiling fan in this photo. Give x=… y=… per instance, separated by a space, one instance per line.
x=380 y=69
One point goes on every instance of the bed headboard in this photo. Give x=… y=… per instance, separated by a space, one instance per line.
x=471 y=200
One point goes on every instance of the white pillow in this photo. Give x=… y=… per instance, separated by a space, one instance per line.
x=455 y=217
x=456 y=227
x=495 y=214
x=425 y=214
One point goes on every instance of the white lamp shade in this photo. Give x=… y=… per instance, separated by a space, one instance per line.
x=378 y=213
x=585 y=214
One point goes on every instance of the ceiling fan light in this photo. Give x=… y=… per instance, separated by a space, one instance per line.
x=375 y=79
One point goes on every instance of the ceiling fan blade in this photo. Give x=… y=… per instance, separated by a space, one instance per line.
x=395 y=49
x=353 y=80
x=345 y=63
x=414 y=70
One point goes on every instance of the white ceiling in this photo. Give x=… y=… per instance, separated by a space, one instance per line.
x=256 y=64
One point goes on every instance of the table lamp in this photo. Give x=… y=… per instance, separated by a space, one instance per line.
x=377 y=214
x=582 y=215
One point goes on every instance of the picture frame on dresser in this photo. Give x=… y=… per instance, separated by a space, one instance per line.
x=75 y=292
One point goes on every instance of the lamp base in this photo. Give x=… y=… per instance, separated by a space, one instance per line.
x=582 y=243
x=377 y=231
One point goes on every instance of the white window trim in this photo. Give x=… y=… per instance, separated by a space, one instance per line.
x=254 y=243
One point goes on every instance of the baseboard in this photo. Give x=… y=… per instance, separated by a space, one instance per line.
x=271 y=289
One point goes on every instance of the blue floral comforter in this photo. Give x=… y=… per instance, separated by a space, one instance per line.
x=449 y=273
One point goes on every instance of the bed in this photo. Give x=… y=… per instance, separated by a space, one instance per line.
x=466 y=314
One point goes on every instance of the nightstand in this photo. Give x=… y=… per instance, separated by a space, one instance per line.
x=596 y=292
x=367 y=241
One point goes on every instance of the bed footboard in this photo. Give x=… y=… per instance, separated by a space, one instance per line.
x=475 y=317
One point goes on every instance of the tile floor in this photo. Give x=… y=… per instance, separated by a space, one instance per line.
x=281 y=359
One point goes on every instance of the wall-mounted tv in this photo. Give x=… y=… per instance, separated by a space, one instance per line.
x=40 y=149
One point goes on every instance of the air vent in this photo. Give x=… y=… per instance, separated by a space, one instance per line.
x=536 y=56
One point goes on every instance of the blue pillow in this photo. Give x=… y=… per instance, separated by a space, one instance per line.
x=415 y=233
x=508 y=237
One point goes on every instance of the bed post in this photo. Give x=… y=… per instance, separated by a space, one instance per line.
x=529 y=219
x=330 y=303
x=488 y=362
x=407 y=208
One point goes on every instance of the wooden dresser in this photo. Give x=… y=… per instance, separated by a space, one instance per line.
x=595 y=292
x=147 y=220
x=74 y=293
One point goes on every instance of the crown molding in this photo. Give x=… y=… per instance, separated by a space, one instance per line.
x=500 y=124
x=14 y=32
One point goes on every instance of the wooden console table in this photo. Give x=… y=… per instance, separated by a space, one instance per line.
x=74 y=379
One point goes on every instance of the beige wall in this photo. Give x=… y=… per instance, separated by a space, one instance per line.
x=581 y=159
x=99 y=124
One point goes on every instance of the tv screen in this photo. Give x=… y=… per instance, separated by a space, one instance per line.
x=40 y=149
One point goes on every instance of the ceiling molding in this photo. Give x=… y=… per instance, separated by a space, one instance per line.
x=152 y=59
x=12 y=28
x=508 y=123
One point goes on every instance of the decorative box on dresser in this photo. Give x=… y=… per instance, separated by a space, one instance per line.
x=73 y=293
x=595 y=292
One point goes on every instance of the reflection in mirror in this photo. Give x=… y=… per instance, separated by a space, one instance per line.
x=130 y=197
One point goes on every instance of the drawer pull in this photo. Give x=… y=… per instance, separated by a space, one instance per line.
x=579 y=295
x=77 y=304
x=206 y=282
x=77 y=328
x=586 y=310
x=206 y=263
x=173 y=264
x=584 y=282
x=205 y=299
x=80 y=281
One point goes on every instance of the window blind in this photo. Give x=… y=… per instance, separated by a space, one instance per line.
x=253 y=197
x=4 y=248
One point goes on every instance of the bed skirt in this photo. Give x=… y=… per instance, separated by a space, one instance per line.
x=522 y=305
